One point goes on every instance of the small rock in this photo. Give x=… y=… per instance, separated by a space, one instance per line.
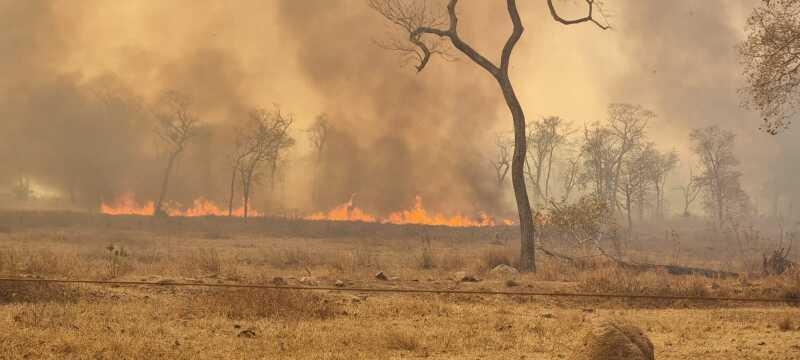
x=512 y=283
x=469 y=278
x=381 y=276
x=279 y=281
x=249 y=333
x=504 y=271
x=339 y=283
x=308 y=280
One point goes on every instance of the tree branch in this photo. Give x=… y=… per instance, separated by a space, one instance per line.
x=587 y=18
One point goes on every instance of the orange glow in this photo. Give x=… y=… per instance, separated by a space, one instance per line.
x=126 y=204
x=344 y=212
x=416 y=215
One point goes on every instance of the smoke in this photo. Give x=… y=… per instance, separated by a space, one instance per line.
x=78 y=81
x=398 y=133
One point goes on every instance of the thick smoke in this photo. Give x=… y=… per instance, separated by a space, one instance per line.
x=398 y=133
x=78 y=81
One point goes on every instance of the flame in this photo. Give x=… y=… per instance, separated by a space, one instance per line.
x=416 y=215
x=126 y=204
x=344 y=212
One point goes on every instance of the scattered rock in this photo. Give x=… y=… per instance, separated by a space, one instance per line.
x=381 y=276
x=248 y=333
x=469 y=278
x=308 y=280
x=279 y=281
x=617 y=341
x=339 y=283
x=504 y=271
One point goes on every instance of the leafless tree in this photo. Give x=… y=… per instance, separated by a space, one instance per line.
x=634 y=183
x=545 y=136
x=606 y=146
x=427 y=29
x=771 y=59
x=570 y=177
x=176 y=125
x=689 y=192
x=502 y=164
x=719 y=178
x=318 y=136
x=663 y=164
x=267 y=137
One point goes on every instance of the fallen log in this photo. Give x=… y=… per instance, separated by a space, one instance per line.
x=671 y=269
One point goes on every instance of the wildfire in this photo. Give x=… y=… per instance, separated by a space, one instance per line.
x=126 y=204
x=416 y=215
x=344 y=212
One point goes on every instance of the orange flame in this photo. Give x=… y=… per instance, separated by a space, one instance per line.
x=344 y=212
x=416 y=215
x=126 y=204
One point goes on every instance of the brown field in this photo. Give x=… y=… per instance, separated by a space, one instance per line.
x=135 y=322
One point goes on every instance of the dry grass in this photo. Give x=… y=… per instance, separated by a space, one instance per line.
x=253 y=304
x=54 y=322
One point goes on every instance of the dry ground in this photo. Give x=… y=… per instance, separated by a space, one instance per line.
x=89 y=321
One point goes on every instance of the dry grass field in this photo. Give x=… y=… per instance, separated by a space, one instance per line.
x=134 y=322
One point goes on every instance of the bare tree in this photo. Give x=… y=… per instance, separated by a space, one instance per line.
x=318 y=135
x=502 y=164
x=571 y=177
x=719 y=177
x=771 y=59
x=267 y=136
x=544 y=138
x=663 y=164
x=606 y=147
x=689 y=192
x=175 y=126
x=634 y=182
x=427 y=29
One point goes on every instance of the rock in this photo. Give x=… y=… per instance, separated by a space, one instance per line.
x=339 y=283
x=469 y=278
x=381 y=276
x=512 y=283
x=504 y=271
x=248 y=333
x=279 y=281
x=308 y=280
x=617 y=341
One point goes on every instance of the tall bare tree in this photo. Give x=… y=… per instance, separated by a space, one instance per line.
x=427 y=30
x=689 y=192
x=175 y=126
x=771 y=59
x=502 y=163
x=719 y=177
x=318 y=136
x=545 y=136
x=607 y=145
x=267 y=137
x=663 y=164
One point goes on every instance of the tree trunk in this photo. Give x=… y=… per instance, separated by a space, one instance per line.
x=230 y=197
x=527 y=261
x=164 y=184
